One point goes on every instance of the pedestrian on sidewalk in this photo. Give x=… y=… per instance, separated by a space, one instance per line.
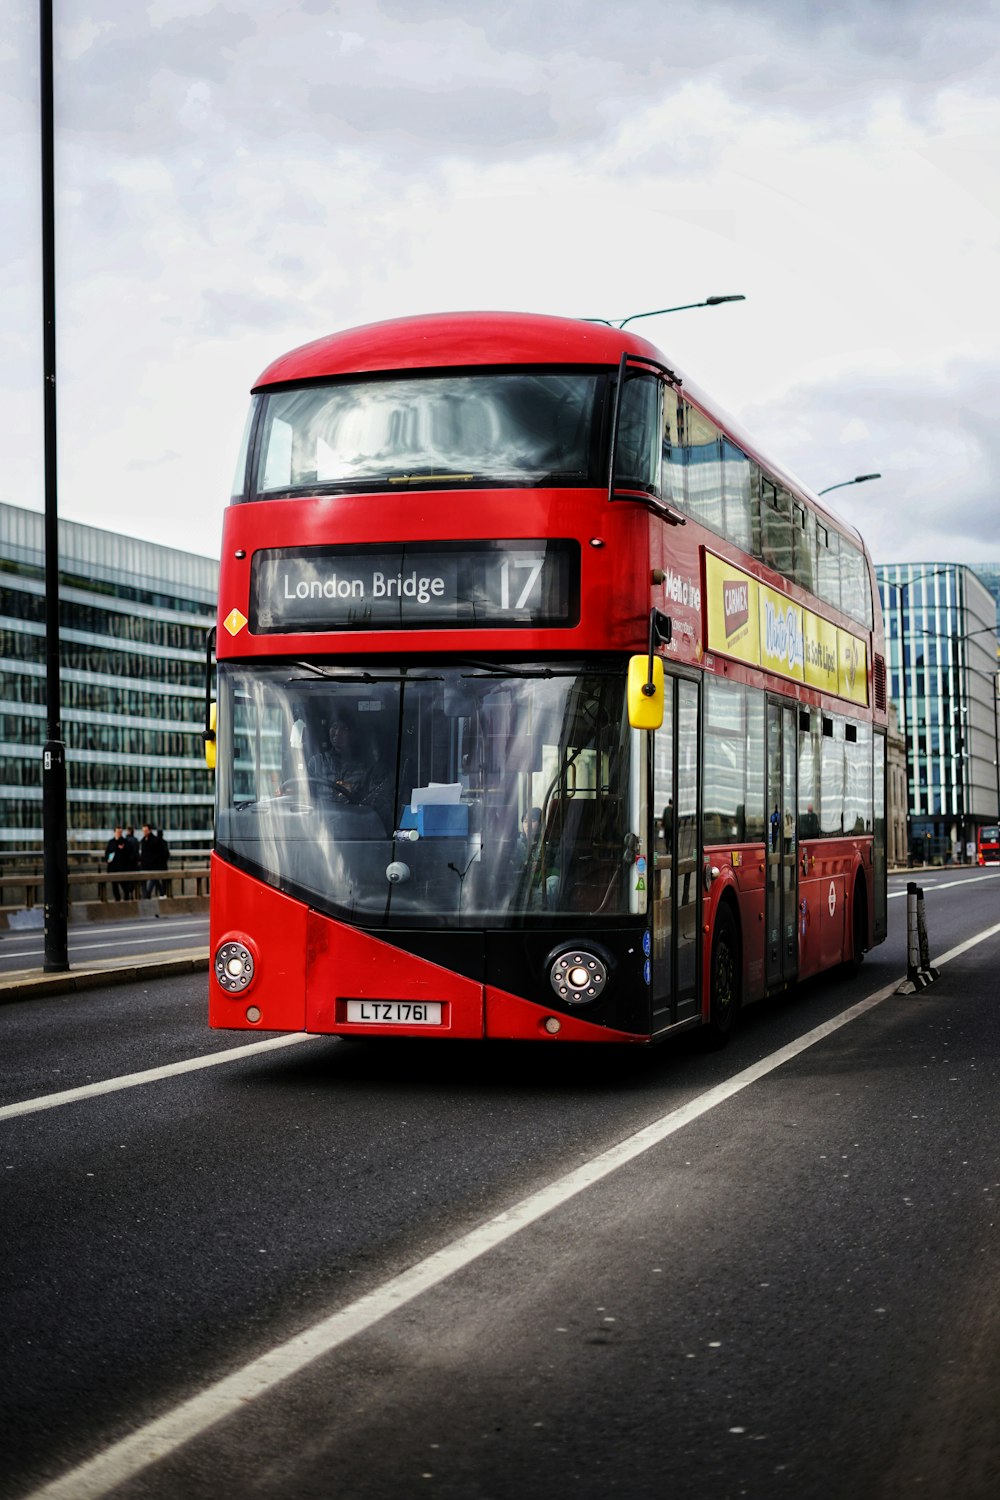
x=118 y=857
x=148 y=860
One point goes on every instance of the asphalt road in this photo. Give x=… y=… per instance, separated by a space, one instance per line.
x=788 y=1286
x=98 y=942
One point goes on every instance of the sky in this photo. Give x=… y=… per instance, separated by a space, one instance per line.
x=235 y=179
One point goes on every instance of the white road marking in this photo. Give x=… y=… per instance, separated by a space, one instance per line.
x=947 y=885
x=123 y=1460
x=151 y=1075
x=140 y=946
x=95 y=929
x=972 y=942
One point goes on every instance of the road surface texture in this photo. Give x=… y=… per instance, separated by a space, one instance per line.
x=360 y=1269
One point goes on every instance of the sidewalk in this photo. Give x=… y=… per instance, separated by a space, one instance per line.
x=31 y=984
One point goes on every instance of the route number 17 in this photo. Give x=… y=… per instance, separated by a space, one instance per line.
x=530 y=565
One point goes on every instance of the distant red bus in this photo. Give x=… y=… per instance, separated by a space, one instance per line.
x=549 y=707
x=988 y=845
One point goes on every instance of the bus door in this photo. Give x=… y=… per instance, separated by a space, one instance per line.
x=879 y=835
x=676 y=888
x=781 y=900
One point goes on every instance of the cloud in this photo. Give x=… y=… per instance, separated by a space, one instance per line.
x=931 y=434
x=236 y=178
x=403 y=79
x=225 y=312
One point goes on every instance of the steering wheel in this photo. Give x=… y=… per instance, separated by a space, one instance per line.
x=305 y=783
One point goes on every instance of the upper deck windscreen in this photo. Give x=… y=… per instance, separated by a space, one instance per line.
x=495 y=428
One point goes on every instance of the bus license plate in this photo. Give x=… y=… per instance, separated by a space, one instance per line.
x=395 y=1012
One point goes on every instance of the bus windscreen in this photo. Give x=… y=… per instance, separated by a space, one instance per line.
x=430 y=430
x=446 y=794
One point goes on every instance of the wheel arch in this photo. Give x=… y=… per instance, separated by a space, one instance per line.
x=860 y=913
x=725 y=907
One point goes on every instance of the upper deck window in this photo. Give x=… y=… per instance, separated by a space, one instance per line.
x=497 y=428
x=240 y=475
x=705 y=473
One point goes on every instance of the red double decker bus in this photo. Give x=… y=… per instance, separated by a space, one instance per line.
x=988 y=845
x=548 y=706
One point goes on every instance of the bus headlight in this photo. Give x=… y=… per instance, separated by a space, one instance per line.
x=578 y=976
x=234 y=967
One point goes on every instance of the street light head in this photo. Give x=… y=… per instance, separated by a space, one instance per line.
x=657 y=312
x=858 y=479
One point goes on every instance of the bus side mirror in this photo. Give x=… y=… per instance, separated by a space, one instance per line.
x=209 y=736
x=208 y=733
x=645 y=692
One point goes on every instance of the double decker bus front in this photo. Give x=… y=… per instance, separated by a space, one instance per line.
x=429 y=845
x=429 y=809
x=988 y=845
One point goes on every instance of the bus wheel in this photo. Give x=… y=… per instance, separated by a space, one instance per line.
x=724 y=979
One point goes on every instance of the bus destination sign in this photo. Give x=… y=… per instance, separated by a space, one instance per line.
x=426 y=585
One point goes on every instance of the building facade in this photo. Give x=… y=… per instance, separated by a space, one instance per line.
x=989 y=574
x=895 y=792
x=134 y=619
x=941 y=646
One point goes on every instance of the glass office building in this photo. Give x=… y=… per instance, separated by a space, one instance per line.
x=941 y=645
x=134 y=618
x=989 y=573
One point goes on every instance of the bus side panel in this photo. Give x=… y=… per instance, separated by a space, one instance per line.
x=345 y=964
x=509 y=1018
x=826 y=896
x=273 y=927
x=741 y=871
x=823 y=926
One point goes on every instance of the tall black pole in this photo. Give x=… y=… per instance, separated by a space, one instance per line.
x=901 y=597
x=56 y=863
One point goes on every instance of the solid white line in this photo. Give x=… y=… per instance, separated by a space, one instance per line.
x=948 y=885
x=980 y=937
x=97 y=1477
x=151 y=1075
x=134 y=942
x=31 y=941
x=143 y=960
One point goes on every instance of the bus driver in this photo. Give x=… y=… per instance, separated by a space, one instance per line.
x=342 y=762
x=349 y=765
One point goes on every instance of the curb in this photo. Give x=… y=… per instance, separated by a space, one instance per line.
x=31 y=984
x=26 y=918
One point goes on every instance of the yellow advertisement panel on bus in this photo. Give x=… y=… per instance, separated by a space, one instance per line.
x=764 y=628
x=853 y=668
x=823 y=654
x=733 y=607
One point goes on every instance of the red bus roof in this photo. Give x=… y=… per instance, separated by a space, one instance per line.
x=456 y=339
x=444 y=340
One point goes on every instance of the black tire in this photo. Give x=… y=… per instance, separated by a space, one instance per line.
x=725 y=979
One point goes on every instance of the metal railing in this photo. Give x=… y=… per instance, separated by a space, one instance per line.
x=22 y=879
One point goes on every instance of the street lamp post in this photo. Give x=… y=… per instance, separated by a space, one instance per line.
x=658 y=312
x=858 y=479
x=54 y=845
x=685 y=307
